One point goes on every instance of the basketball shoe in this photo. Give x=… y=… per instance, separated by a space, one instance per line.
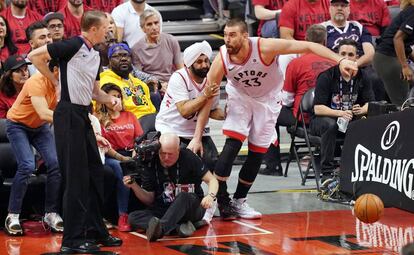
x=243 y=210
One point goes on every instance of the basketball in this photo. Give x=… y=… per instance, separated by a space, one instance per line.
x=369 y=208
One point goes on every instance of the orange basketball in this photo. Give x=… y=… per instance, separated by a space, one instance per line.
x=369 y=208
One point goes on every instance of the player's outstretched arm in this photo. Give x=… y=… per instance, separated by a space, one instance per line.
x=272 y=47
x=214 y=77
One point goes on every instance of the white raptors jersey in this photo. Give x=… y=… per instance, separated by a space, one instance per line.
x=180 y=88
x=253 y=77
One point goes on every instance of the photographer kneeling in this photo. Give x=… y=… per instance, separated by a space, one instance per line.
x=171 y=187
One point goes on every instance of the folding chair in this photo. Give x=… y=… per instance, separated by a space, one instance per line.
x=310 y=142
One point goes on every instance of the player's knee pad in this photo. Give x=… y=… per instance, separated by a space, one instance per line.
x=251 y=166
x=225 y=162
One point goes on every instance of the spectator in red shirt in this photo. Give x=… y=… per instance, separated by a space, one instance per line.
x=103 y=5
x=72 y=13
x=372 y=14
x=43 y=7
x=12 y=81
x=7 y=47
x=298 y=15
x=120 y=128
x=301 y=75
x=19 y=18
x=266 y=11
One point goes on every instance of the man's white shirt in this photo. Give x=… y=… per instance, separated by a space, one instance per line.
x=180 y=88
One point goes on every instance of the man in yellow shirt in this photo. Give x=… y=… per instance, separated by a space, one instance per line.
x=136 y=94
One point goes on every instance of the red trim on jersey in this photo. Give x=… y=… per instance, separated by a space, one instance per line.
x=247 y=58
x=256 y=148
x=235 y=135
x=260 y=54
x=203 y=84
x=276 y=142
x=186 y=85
x=222 y=61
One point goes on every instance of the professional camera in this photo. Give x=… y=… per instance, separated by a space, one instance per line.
x=145 y=147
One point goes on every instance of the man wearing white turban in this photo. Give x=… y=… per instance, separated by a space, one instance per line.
x=186 y=94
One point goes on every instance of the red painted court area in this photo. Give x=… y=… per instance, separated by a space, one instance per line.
x=325 y=232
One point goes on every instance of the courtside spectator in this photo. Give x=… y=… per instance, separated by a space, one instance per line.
x=372 y=14
x=11 y=83
x=45 y=6
x=120 y=128
x=127 y=16
x=186 y=94
x=338 y=96
x=136 y=94
x=72 y=14
x=19 y=18
x=55 y=25
x=38 y=35
x=103 y=5
x=266 y=11
x=301 y=75
x=390 y=59
x=298 y=15
x=7 y=47
x=157 y=53
x=340 y=28
x=28 y=124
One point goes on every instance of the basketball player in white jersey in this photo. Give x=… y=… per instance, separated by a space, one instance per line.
x=254 y=81
x=186 y=94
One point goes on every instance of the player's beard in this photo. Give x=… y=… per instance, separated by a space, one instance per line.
x=233 y=50
x=202 y=72
x=138 y=1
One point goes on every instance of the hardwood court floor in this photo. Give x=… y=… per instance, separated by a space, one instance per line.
x=323 y=232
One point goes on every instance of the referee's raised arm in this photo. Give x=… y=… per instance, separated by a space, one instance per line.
x=40 y=58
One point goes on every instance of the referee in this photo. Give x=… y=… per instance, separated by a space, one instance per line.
x=76 y=144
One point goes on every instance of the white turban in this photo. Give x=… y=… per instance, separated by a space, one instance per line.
x=195 y=50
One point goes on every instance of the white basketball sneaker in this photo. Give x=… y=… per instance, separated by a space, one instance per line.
x=12 y=225
x=243 y=210
x=54 y=221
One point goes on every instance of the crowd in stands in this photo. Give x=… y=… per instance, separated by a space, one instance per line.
x=145 y=68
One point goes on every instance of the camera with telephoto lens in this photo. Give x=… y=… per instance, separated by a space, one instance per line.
x=145 y=150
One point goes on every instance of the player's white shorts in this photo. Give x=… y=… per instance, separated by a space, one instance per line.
x=251 y=118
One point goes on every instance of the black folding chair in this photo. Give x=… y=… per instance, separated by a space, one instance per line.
x=309 y=142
